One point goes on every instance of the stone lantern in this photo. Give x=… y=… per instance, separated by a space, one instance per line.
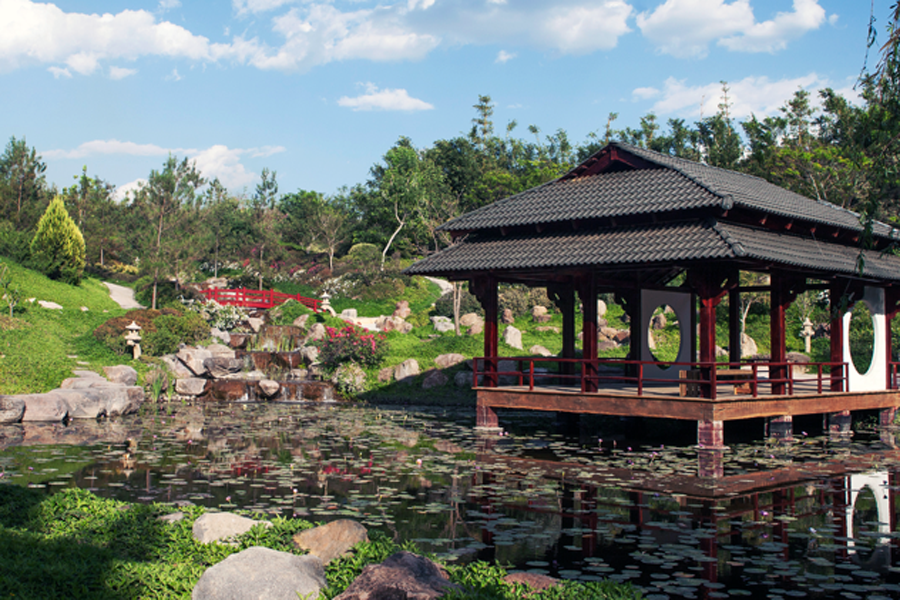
x=133 y=339
x=807 y=333
x=326 y=304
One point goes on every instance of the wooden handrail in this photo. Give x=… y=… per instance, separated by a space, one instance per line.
x=257 y=298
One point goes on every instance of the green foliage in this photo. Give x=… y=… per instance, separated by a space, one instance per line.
x=58 y=247
x=468 y=304
x=161 y=331
x=351 y=344
x=221 y=316
x=288 y=312
x=10 y=294
x=520 y=299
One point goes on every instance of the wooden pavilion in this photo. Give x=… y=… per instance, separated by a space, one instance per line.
x=656 y=230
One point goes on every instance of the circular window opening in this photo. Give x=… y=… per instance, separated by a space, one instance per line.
x=865 y=521
x=862 y=337
x=664 y=335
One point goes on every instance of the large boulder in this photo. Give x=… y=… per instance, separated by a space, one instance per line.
x=316 y=332
x=220 y=351
x=331 y=540
x=261 y=573
x=401 y=575
x=407 y=370
x=470 y=319
x=222 y=366
x=748 y=346
x=191 y=386
x=176 y=367
x=442 y=324
x=217 y=526
x=193 y=359
x=83 y=403
x=121 y=374
x=44 y=407
x=402 y=310
x=513 y=337
x=12 y=409
x=448 y=360
x=434 y=378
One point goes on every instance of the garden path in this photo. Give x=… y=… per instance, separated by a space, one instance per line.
x=123 y=296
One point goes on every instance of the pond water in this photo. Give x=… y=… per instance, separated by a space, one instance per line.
x=816 y=518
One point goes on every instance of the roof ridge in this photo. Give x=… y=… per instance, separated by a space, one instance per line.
x=728 y=199
x=736 y=246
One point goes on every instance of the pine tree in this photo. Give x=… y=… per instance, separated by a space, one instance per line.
x=58 y=247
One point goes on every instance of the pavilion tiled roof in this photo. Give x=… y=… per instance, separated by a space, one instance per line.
x=680 y=243
x=671 y=185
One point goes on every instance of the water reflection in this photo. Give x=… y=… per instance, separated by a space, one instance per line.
x=815 y=518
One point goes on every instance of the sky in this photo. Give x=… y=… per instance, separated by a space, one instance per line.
x=319 y=90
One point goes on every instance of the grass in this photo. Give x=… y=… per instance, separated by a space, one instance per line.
x=37 y=346
x=76 y=545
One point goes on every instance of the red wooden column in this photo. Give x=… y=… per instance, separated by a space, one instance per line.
x=485 y=289
x=587 y=290
x=711 y=285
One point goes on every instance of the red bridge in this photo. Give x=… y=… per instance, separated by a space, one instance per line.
x=257 y=298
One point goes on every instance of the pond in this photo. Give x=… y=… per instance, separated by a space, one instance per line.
x=816 y=518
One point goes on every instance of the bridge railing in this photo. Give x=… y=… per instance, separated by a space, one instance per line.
x=257 y=298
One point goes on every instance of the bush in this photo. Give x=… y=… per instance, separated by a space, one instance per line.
x=161 y=331
x=13 y=243
x=383 y=289
x=288 y=312
x=168 y=293
x=351 y=344
x=58 y=247
x=468 y=304
x=221 y=316
x=520 y=299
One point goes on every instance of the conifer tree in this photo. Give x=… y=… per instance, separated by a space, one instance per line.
x=58 y=247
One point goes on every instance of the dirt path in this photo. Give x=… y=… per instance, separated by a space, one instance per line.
x=446 y=286
x=123 y=296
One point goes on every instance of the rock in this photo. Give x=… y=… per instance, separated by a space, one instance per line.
x=49 y=305
x=434 y=378
x=406 y=370
x=261 y=573
x=386 y=375
x=83 y=403
x=513 y=337
x=448 y=360
x=348 y=313
x=269 y=388
x=298 y=374
x=539 y=350
x=507 y=318
x=310 y=354
x=469 y=319
x=658 y=321
x=535 y=581
x=601 y=308
x=220 y=351
x=301 y=321
x=748 y=345
x=602 y=322
x=316 y=332
x=463 y=379
x=604 y=345
x=538 y=311
x=720 y=351
x=190 y=386
x=331 y=540
x=545 y=328
x=442 y=324
x=542 y=318
x=44 y=407
x=85 y=309
x=84 y=379
x=11 y=409
x=174 y=517
x=255 y=324
x=350 y=378
x=228 y=390
x=218 y=367
x=176 y=367
x=402 y=310
x=477 y=328
x=223 y=336
x=396 y=324
x=238 y=341
x=216 y=526
x=121 y=374
x=622 y=337
x=403 y=576
x=609 y=332
x=193 y=359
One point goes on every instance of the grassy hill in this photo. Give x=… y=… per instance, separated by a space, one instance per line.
x=40 y=347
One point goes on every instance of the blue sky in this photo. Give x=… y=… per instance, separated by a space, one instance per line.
x=318 y=90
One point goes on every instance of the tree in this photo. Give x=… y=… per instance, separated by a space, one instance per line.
x=96 y=213
x=720 y=143
x=9 y=293
x=163 y=200
x=330 y=222
x=265 y=224
x=21 y=183
x=224 y=223
x=58 y=246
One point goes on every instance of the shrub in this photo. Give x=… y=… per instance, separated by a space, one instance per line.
x=520 y=299
x=161 y=330
x=58 y=247
x=383 y=289
x=288 y=312
x=349 y=379
x=468 y=304
x=221 y=316
x=351 y=344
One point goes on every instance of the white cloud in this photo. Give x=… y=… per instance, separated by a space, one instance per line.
x=751 y=95
x=122 y=192
x=216 y=161
x=174 y=76
x=645 y=93
x=120 y=72
x=59 y=72
x=375 y=99
x=256 y=6
x=685 y=28
x=422 y=4
x=833 y=19
x=504 y=56
x=165 y=5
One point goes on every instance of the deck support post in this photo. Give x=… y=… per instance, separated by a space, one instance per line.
x=780 y=428
x=485 y=417
x=485 y=289
x=711 y=434
x=710 y=462
x=886 y=417
x=587 y=290
x=839 y=423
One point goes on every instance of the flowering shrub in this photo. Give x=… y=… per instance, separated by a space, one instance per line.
x=351 y=344
x=222 y=317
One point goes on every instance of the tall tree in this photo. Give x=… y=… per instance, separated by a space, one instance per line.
x=265 y=218
x=22 y=184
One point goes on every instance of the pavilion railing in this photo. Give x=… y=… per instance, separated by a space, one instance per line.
x=257 y=298
x=695 y=378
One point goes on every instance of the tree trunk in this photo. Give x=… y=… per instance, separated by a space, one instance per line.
x=155 y=279
x=390 y=241
x=457 y=300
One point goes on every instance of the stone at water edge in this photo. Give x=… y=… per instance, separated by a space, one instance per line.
x=513 y=337
x=178 y=368
x=218 y=367
x=435 y=378
x=269 y=387
x=215 y=526
x=401 y=575
x=259 y=573
x=331 y=540
x=407 y=370
x=11 y=409
x=448 y=360
x=44 y=407
x=220 y=351
x=121 y=374
x=190 y=386
x=193 y=358
x=255 y=324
